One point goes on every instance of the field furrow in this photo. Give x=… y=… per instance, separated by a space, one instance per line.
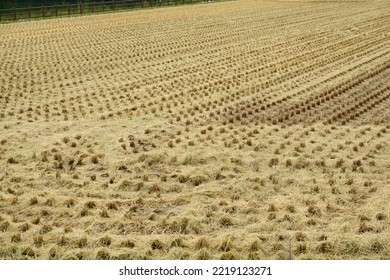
x=233 y=130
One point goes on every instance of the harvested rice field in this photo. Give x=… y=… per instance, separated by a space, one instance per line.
x=234 y=130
